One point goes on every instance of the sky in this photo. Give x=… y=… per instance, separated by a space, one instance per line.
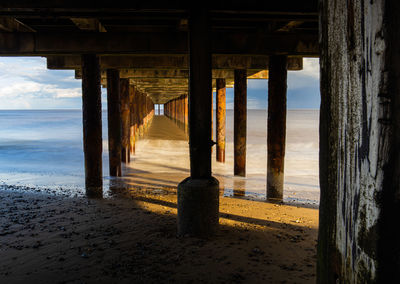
x=26 y=83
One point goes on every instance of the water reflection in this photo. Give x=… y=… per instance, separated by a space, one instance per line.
x=239 y=187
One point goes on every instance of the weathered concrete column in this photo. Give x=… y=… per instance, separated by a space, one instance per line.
x=114 y=122
x=240 y=122
x=276 y=132
x=198 y=195
x=220 y=119
x=212 y=117
x=132 y=109
x=187 y=114
x=125 y=118
x=159 y=109
x=92 y=131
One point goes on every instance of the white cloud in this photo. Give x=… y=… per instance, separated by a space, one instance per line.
x=26 y=83
x=296 y=79
x=311 y=67
x=257 y=84
x=307 y=77
x=66 y=93
x=17 y=89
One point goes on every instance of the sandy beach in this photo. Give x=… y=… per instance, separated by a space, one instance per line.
x=55 y=234
x=131 y=238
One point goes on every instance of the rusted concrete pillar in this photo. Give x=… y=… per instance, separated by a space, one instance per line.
x=92 y=131
x=181 y=111
x=187 y=114
x=125 y=117
x=212 y=117
x=240 y=122
x=276 y=132
x=198 y=195
x=114 y=122
x=220 y=119
x=175 y=111
x=132 y=138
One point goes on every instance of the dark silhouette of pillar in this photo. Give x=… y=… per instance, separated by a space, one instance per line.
x=276 y=126
x=114 y=122
x=125 y=119
x=92 y=131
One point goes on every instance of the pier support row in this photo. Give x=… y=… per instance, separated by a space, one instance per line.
x=198 y=195
x=128 y=111
x=177 y=110
x=92 y=128
x=140 y=111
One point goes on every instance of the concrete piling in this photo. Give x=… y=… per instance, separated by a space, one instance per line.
x=220 y=119
x=132 y=140
x=198 y=195
x=92 y=131
x=114 y=122
x=125 y=118
x=240 y=122
x=276 y=134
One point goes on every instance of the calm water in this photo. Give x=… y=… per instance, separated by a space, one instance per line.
x=43 y=149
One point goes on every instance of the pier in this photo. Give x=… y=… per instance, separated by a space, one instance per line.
x=177 y=54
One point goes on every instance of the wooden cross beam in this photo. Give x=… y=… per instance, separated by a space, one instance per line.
x=223 y=42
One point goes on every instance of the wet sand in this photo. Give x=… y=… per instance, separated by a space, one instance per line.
x=130 y=236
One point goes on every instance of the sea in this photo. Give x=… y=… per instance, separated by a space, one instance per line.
x=43 y=150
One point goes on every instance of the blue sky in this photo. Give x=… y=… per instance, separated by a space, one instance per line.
x=25 y=83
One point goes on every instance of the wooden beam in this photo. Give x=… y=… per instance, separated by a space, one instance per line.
x=88 y=24
x=283 y=7
x=164 y=63
x=177 y=74
x=42 y=44
x=290 y=26
x=263 y=74
x=9 y=24
x=160 y=81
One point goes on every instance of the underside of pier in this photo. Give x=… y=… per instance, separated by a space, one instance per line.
x=177 y=53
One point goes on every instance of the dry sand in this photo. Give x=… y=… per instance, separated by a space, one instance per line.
x=131 y=238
